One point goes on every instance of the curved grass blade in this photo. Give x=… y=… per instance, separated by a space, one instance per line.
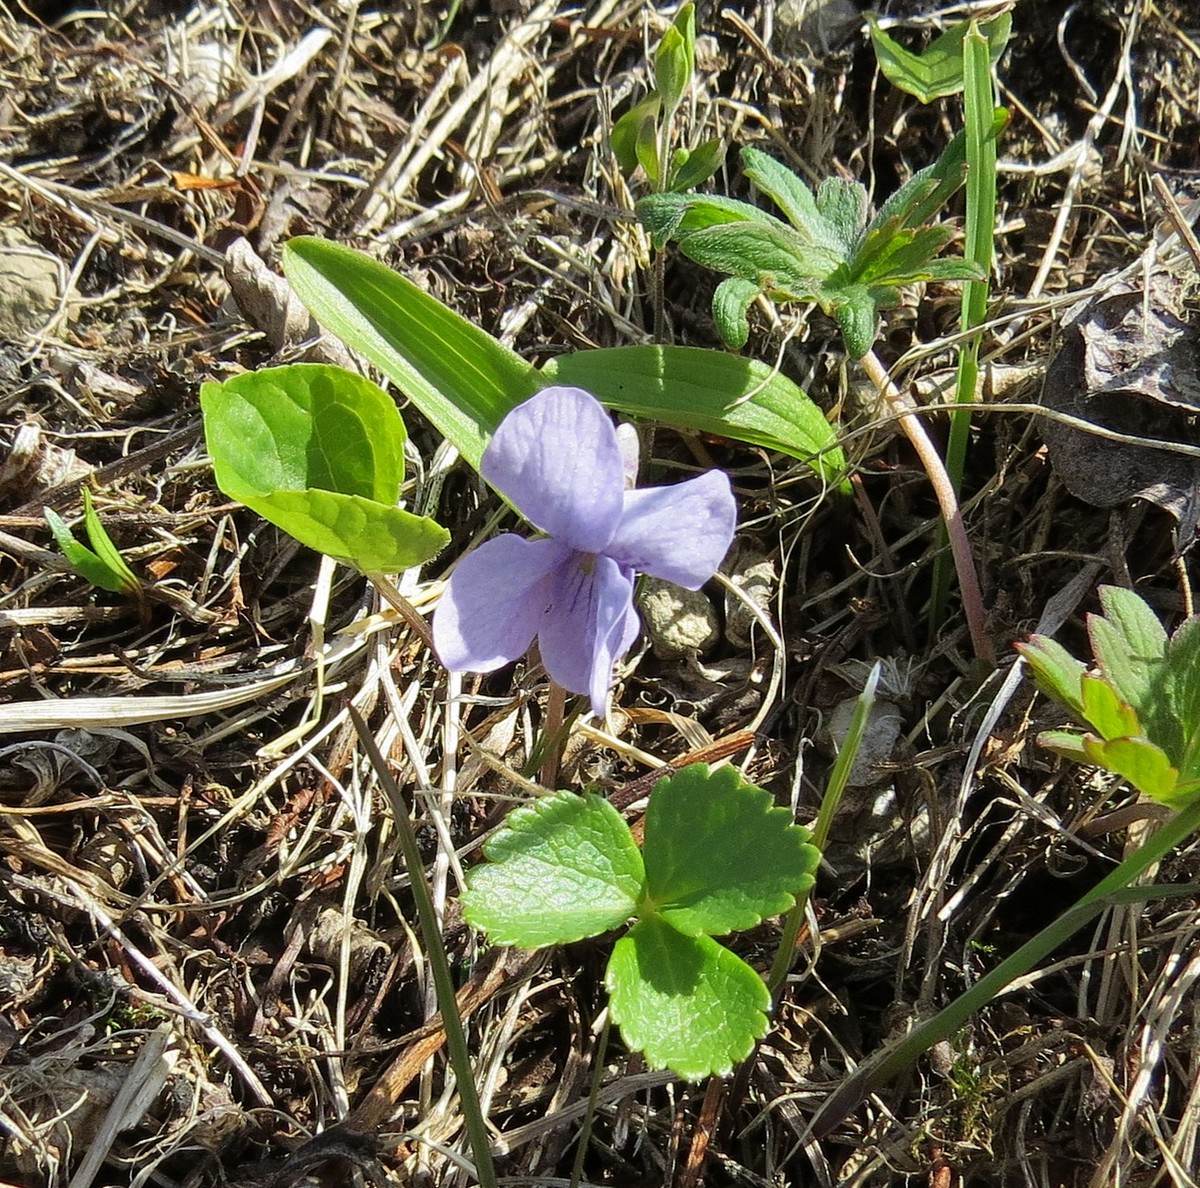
x=458 y=375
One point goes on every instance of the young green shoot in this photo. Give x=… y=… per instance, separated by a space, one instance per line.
x=961 y=59
x=102 y=564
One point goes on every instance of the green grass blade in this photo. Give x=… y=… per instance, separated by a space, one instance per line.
x=435 y=952
x=978 y=248
x=709 y=392
x=456 y=374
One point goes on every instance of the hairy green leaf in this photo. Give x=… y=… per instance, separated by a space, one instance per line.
x=792 y=196
x=1137 y=760
x=1105 y=712
x=685 y=1001
x=843 y=205
x=730 y=304
x=561 y=869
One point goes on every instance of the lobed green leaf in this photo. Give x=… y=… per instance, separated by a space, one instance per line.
x=1105 y=712
x=731 y=301
x=1137 y=760
x=720 y=856
x=685 y=1001
x=561 y=869
x=792 y=196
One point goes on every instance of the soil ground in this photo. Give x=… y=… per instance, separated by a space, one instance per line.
x=210 y=969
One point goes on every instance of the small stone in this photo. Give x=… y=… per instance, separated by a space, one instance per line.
x=31 y=285
x=679 y=622
x=753 y=573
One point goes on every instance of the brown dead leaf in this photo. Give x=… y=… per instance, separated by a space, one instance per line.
x=1128 y=362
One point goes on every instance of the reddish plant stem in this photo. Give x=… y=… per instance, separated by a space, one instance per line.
x=960 y=547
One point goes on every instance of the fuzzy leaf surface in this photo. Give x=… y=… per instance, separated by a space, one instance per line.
x=561 y=869
x=720 y=856
x=685 y=1001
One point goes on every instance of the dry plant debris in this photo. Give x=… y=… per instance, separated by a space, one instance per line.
x=209 y=972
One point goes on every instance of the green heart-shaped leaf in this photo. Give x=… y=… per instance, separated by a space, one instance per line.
x=318 y=451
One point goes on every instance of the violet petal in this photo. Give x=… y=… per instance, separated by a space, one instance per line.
x=581 y=637
x=680 y=533
x=495 y=601
x=556 y=457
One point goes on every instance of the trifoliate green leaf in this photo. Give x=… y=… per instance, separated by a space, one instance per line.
x=687 y=1003
x=719 y=855
x=561 y=869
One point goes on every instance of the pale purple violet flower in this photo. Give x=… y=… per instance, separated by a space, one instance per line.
x=560 y=461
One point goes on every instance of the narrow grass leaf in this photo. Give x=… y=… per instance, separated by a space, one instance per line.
x=686 y=1002
x=107 y=552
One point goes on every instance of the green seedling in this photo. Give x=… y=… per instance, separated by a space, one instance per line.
x=1140 y=704
x=642 y=136
x=718 y=857
x=1139 y=710
x=102 y=564
x=319 y=451
x=828 y=251
x=464 y=381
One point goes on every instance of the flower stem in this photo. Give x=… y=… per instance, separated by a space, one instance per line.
x=1116 y=888
x=964 y=564
x=439 y=963
x=554 y=737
